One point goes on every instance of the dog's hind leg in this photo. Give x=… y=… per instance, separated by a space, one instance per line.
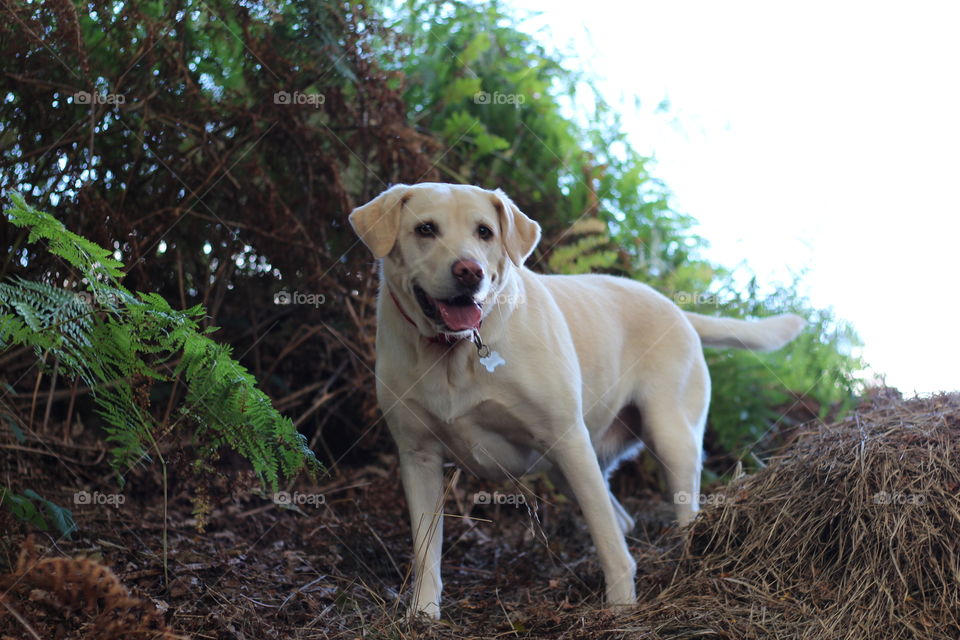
x=673 y=429
x=626 y=522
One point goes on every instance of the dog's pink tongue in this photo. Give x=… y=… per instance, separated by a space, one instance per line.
x=460 y=317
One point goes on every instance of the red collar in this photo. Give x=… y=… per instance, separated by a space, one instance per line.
x=441 y=338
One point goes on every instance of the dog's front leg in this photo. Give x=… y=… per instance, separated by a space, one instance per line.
x=576 y=459
x=421 y=470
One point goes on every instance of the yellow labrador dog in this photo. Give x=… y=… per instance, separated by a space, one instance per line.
x=508 y=372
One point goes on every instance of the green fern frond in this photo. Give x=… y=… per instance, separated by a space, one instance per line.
x=110 y=338
x=87 y=256
x=585 y=255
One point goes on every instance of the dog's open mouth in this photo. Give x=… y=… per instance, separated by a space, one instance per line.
x=456 y=314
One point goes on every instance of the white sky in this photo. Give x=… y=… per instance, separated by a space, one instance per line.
x=811 y=135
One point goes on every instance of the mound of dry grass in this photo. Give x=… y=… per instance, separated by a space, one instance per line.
x=854 y=533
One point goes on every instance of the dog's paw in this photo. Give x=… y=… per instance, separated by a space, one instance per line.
x=621 y=586
x=625 y=599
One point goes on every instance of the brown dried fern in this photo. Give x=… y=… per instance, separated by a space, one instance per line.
x=85 y=585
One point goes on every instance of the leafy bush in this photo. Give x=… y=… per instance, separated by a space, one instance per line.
x=215 y=190
x=752 y=393
x=500 y=102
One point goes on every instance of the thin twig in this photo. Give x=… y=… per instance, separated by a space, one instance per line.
x=16 y=614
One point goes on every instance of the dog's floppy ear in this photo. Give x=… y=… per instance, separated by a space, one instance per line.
x=520 y=234
x=378 y=221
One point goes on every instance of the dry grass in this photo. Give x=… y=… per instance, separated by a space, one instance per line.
x=854 y=533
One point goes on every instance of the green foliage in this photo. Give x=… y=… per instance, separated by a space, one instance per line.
x=590 y=251
x=213 y=189
x=501 y=103
x=752 y=392
x=35 y=510
x=121 y=343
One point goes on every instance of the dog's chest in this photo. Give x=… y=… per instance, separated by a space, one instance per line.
x=452 y=387
x=484 y=426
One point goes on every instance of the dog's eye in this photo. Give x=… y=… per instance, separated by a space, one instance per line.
x=426 y=230
x=484 y=232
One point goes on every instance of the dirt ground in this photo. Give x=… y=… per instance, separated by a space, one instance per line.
x=330 y=557
x=329 y=564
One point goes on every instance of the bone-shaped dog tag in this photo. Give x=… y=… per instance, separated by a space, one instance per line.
x=489 y=359
x=492 y=361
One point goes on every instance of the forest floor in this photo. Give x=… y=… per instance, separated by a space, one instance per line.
x=222 y=560
x=329 y=566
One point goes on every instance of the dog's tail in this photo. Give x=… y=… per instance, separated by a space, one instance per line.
x=758 y=335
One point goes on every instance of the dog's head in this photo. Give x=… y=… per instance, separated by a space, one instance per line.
x=448 y=246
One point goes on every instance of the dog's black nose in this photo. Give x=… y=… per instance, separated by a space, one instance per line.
x=468 y=273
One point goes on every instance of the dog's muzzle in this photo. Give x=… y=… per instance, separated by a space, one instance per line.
x=461 y=313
